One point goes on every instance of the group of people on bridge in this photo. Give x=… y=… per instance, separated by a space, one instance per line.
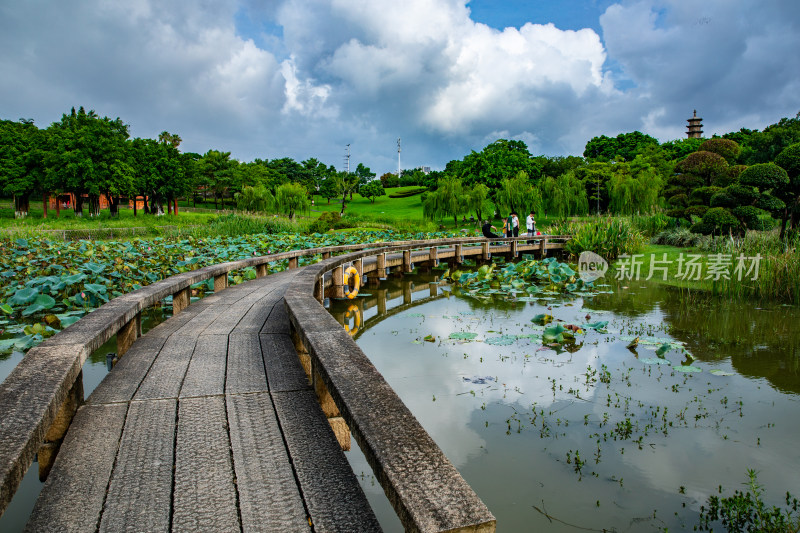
x=510 y=226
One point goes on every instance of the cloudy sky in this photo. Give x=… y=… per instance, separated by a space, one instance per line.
x=304 y=78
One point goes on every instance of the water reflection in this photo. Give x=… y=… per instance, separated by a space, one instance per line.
x=596 y=438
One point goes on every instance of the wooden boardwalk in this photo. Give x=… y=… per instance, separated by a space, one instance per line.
x=232 y=415
x=208 y=423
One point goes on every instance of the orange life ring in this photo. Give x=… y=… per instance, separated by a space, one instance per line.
x=351 y=272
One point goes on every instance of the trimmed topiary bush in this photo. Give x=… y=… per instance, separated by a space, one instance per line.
x=764 y=176
x=725 y=147
x=748 y=216
x=702 y=195
x=718 y=220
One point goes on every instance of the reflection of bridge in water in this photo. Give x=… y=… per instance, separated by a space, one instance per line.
x=352 y=314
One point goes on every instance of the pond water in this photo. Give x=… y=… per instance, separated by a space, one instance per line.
x=599 y=437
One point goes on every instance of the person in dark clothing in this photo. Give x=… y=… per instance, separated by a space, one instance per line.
x=487 y=230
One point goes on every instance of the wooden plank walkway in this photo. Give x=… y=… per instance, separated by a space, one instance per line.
x=231 y=415
x=207 y=423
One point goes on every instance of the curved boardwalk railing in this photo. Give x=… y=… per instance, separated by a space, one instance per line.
x=40 y=396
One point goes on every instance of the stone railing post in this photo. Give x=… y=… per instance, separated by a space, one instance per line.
x=221 y=282
x=180 y=300
x=58 y=429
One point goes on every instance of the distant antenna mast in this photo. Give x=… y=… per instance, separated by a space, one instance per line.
x=347 y=158
x=399 y=171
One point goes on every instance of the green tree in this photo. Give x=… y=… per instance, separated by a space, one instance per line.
x=478 y=201
x=518 y=194
x=328 y=188
x=22 y=171
x=564 y=196
x=291 y=198
x=345 y=184
x=255 y=198
x=498 y=160
x=448 y=199
x=86 y=156
x=372 y=190
x=365 y=175
x=624 y=146
x=789 y=160
x=634 y=187
x=216 y=169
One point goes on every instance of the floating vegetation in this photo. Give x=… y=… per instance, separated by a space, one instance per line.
x=529 y=278
x=463 y=335
x=502 y=340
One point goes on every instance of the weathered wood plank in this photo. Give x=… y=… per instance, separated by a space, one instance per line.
x=121 y=384
x=278 y=321
x=206 y=373
x=72 y=498
x=269 y=498
x=204 y=498
x=330 y=489
x=166 y=375
x=140 y=492
x=284 y=371
x=245 y=365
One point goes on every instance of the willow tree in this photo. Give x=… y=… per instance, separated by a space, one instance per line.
x=291 y=198
x=257 y=198
x=449 y=199
x=565 y=196
x=478 y=200
x=634 y=189
x=518 y=194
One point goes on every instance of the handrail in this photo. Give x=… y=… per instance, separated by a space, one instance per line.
x=38 y=390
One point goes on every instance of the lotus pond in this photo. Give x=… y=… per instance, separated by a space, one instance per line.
x=618 y=407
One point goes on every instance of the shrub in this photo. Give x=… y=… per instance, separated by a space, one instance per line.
x=717 y=220
x=725 y=147
x=702 y=195
x=741 y=194
x=722 y=199
x=678 y=200
x=411 y=192
x=748 y=216
x=608 y=237
x=697 y=210
x=764 y=176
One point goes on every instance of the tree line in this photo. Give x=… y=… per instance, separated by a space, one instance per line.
x=719 y=184
x=89 y=156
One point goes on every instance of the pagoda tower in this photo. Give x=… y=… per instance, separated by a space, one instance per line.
x=695 y=127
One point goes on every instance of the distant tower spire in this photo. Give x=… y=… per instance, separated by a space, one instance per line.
x=695 y=127
x=347 y=158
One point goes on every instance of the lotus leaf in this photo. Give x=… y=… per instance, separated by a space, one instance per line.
x=23 y=296
x=686 y=368
x=7 y=309
x=600 y=324
x=664 y=348
x=542 y=319
x=653 y=361
x=463 y=335
x=502 y=340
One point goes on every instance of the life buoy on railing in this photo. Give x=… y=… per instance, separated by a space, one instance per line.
x=355 y=312
x=351 y=271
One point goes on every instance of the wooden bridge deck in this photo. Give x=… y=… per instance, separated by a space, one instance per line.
x=208 y=423
x=232 y=415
